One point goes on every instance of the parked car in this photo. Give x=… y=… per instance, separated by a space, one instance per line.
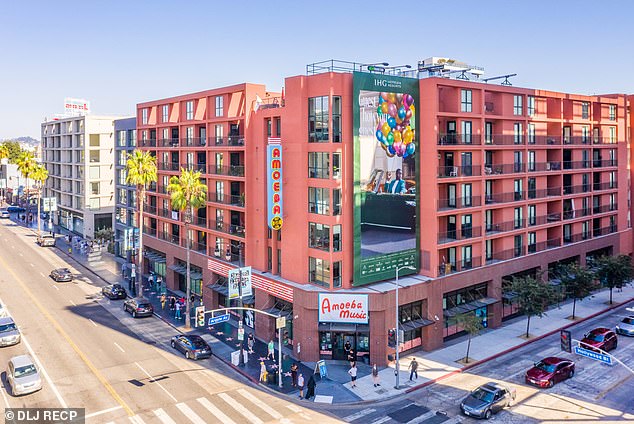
x=488 y=399
x=138 y=307
x=23 y=375
x=62 y=275
x=194 y=347
x=549 y=371
x=13 y=209
x=4 y=214
x=114 y=291
x=599 y=338
x=626 y=326
x=46 y=240
x=9 y=332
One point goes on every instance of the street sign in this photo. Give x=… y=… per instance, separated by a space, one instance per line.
x=607 y=359
x=321 y=367
x=240 y=334
x=280 y=322
x=218 y=319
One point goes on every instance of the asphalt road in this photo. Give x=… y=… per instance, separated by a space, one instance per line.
x=97 y=357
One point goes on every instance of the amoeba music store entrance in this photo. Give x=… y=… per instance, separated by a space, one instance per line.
x=343 y=327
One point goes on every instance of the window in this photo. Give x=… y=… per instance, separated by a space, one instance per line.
x=318 y=201
x=488 y=249
x=612 y=134
x=466 y=257
x=94 y=188
x=410 y=312
x=319 y=271
x=278 y=127
x=488 y=132
x=220 y=106
x=132 y=138
x=144 y=115
x=532 y=188
x=189 y=113
x=585 y=134
x=585 y=110
x=517 y=105
x=517 y=133
x=189 y=135
x=466 y=132
x=336 y=119
x=465 y=101
x=121 y=138
x=336 y=201
x=318 y=165
x=517 y=161
x=165 y=113
x=336 y=274
x=531 y=105
x=466 y=195
x=122 y=157
x=612 y=113
x=279 y=261
x=94 y=173
x=531 y=133
x=269 y=127
x=517 y=251
x=318 y=236
x=518 y=187
x=567 y=233
x=531 y=160
x=336 y=165
x=269 y=262
x=532 y=219
x=532 y=243
x=585 y=230
x=318 y=119
x=466 y=228
x=336 y=238
x=518 y=221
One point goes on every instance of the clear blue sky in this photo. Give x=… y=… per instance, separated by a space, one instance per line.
x=117 y=53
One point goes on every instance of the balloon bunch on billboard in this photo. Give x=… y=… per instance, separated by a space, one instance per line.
x=396 y=129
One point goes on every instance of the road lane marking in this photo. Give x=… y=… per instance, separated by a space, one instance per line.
x=189 y=413
x=136 y=419
x=263 y=406
x=153 y=380
x=42 y=274
x=70 y=341
x=45 y=374
x=93 y=322
x=103 y=411
x=358 y=415
x=163 y=417
x=215 y=411
x=120 y=348
x=55 y=287
x=74 y=304
x=381 y=420
x=240 y=408
x=294 y=408
x=32 y=265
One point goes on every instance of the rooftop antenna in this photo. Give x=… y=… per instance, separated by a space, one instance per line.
x=506 y=79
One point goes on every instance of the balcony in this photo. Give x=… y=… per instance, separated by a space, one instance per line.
x=504 y=139
x=507 y=168
x=597 y=232
x=458 y=171
x=193 y=142
x=149 y=231
x=195 y=246
x=504 y=197
x=459 y=202
x=575 y=238
x=168 y=142
x=542 y=193
x=605 y=186
x=462 y=234
x=226 y=199
x=576 y=189
x=456 y=139
x=581 y=164
x=605 y=208
x=450 y=268
x=544 y=219
x=168 y=166
x=236 y=230
x=231 y=170
x=232 y=140
x=200 y=167
x=604 y=163
x=501 y=227
x=169 y=237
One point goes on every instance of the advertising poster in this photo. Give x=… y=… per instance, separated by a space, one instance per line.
x=385 y=173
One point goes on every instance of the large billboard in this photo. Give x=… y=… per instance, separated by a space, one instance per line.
x=385 y=176
x=274 y=184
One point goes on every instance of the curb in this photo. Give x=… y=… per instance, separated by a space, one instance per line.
x=504 y=352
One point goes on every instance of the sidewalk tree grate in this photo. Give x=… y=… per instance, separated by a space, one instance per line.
x=408 y=413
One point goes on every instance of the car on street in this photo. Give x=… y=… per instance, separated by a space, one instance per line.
x=194 y=347
x=62 y=275
x=4 y=214
x=9 y=332
x=23 y=375
x=549 y=371
x=626 y=326
x=46 y=240
x=13 y=209
x=114 y=291
x=599 y=338
x=138 y=307
x=488 y=399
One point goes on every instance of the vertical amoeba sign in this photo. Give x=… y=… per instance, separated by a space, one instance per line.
x=274 y=184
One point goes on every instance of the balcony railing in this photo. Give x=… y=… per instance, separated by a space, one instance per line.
x=169 y=237
x=236 y=230
x=574 y=238
x=200 y=167
x=605 y=208
x=168 y=166
x=583 y=188
x=500 y=227
x=604 y=163
x=459 y=202
x=458 y=171
x=580 y=164
x=226 y=199
x=463 y=265
x=193 y=141
x=605 y=186
x=506 y=168
x=149 y=231
x=504 y=197
x=168 y=142
x=232 y=140
x=544 y=219
x=453 y=139
x=597 y=232
x=459 y=234
x=194 y=245
x=231 y=170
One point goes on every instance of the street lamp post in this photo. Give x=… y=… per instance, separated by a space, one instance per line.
x=396 y=386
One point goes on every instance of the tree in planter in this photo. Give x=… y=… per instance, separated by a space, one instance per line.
x=614 y=271
x=187 y=193
x=578 y=283
x=472 y=324
x=532 y=297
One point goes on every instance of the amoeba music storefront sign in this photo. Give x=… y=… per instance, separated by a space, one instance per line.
x=344 y=332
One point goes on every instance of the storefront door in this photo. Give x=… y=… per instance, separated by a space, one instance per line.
x=339 y=345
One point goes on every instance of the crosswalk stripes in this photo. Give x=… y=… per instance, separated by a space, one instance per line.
x=263 y=406
x=135 y=419
x=215 y=411
x=189 y=413
x=358 y=415
x=381 y=420
x=240 y=408
x=162 y=415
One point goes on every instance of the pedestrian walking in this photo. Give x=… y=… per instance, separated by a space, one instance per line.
x=263 y=372
x=172 y=303
x=300 y=384
x=250 y=342
x=178 y=311
x=375 y=376
x=159 y=282
x=150 y=281
x=311 y=387
x=271 y=351
x=353 y=375
x=347 y=347
x=163 y=301
x=413 y=367
x=294 y=369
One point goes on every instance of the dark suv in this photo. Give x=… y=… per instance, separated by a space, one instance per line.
x=114 y=291
x=138 y=307
x=599 y=338
x=487 y=399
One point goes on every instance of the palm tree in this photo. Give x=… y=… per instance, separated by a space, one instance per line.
x=26 y=165
x=40 y=175
x=141 y=170
x=187 y=193
x=4 y=153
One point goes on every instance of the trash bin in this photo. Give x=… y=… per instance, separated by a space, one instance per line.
x=272 y=377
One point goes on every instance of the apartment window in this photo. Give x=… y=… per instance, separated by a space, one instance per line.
x=517 y=242
x=585 y=134
x=94 y=203
x=518 y=218
x=220 y=191
x=585 y=110
x=189 y=135
x=517 y=133
x=466 y=257
x=517 y=105
x=532 y=242
x=269 y=127
x=269 y=233
x=220 y=106
x=121 y=138
x=279 y=261
x=319 y=272
x=612 y=179
x=132 y=138
x=612 y=112
x=488 y=132
x=189 y=110
x=466 y=228
x=336 y=165
x=122 y=157
x=219 y=133
x=336 y=274
x=278 y=127
x=585 y=230
x=466 y=132
x=518 y=186
x=567 y=233
x=318 y=201
x=336 y=238
x=336 y=119
x=94 y=173
x=532 y=219
x=517 y=161
x=279 y=235
x=612 y=134
x=466 y=195
x=318 y=236
x=144 y=115
x=531 y=105
x=531 y=133
x=612 y=201
x=488 y=249
x=531 y=160
x=465 y=101
x=318 y=165
x=165 y=113
x=318 y=119
x=336 y=201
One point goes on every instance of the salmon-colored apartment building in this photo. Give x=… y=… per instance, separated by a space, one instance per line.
x=501 y=182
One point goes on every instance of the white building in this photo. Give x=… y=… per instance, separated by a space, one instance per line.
x=79 y=155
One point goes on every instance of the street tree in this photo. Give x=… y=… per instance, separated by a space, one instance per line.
x=578 y=283
x=26 y=165
x=4 y=151
x=472 y=324
x=141 y=172
x=40 y=175
x=614 y=271
x=14 y=150
x=187 y=194
x=532 y=297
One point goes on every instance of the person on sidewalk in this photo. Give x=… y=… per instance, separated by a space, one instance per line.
x=413 y=367
x=178 y=310
x=159 y=283
x=375 y=376
x=163 y=301
x=271 y=352
x=263 y=372
x=250 y=342
x=353 y=375
x=294 y=369
x=311 y=387
x=300 y=384
x=172 y=303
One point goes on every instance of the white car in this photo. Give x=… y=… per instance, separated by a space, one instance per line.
x=23 y=375
x=626 y=326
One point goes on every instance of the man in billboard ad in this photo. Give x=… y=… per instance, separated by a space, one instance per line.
x=386 y=144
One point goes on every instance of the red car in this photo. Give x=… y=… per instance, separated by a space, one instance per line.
x=549 y=371
x=599 y=338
